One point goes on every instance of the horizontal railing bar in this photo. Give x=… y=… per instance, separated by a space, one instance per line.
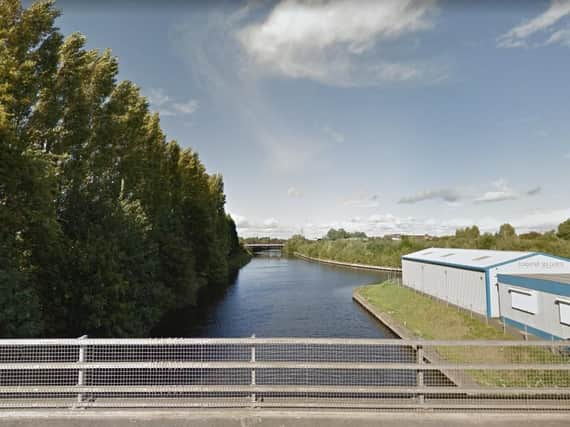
x=503 y=391
x=396 y=405
x=275 y=341
x=562 y=366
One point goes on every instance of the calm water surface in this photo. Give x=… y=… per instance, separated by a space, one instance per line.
x=275 y=296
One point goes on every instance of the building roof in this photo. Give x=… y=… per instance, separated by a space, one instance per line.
x=558 y=278
x=478 y=259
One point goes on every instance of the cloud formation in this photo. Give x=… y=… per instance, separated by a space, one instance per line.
x=185 y=107
x=294 y=192
x=166 y=106
x=385 y=223
x=534 y=191
x=446 y=194
x=363 y=201
x=216 y=62
x=519 y=35
x=503 y=192
x=332 y=41
x=335 y=135
x=157 y=96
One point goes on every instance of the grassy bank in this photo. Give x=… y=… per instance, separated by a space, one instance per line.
x=431 y=319
x=427 y=318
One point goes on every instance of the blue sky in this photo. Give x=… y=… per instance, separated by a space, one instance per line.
x=382 y=116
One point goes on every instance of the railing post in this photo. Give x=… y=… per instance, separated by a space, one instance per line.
x=419 y=372
x=253 y=397
x=80 y=372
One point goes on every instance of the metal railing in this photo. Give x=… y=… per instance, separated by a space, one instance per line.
x=284 y=373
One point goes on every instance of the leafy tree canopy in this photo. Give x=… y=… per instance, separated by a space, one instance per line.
x=105 y=225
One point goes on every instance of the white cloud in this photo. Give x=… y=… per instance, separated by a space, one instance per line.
x=382 y=224
x=166 y=106
x=334 y=42
x=187 y=107
x=503 y=192
x=268 y=227
x=335 y=135
x=560 y=36
x=518 y=36
x=294 y=192
x=216 y=63
x=271 y=223
x=157 y=96
x=446 y=194
x=363 y=201
x=541 y=220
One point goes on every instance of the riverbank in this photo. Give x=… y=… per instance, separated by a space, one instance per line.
x=348 y=264
x=239 y=260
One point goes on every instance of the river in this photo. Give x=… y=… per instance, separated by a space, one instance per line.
x=275 y=296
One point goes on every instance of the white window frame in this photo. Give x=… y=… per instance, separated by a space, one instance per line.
x=527 y=310
x=563 y=302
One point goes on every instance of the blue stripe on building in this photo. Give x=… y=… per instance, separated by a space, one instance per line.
x=537 y=332
x=488 y=292
x=551 y=287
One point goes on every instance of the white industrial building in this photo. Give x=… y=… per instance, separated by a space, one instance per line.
x=529 y=290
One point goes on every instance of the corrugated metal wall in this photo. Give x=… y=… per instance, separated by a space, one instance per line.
x=461 y=287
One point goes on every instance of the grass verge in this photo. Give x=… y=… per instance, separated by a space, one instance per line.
x=432 y=319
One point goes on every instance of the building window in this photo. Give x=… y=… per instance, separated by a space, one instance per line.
x=524 y=301
x=564 y=311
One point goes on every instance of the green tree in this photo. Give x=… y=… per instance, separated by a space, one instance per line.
x=469 y=233
x=564 y=230
x=507 y=231
x=105 y=224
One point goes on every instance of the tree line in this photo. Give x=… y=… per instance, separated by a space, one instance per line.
x=341 y=233
x=104 y=224
x=385 y=251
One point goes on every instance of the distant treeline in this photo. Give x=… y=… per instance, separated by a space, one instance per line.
x=341 y=233
x=388 y=252
x=104 y=224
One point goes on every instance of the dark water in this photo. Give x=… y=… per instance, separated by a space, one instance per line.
x=275 y=296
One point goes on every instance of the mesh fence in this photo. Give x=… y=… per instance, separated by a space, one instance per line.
x=284 y=373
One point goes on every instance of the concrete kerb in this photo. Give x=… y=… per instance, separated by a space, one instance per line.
x=401 y=331
x=242 y=418
x=348 y=264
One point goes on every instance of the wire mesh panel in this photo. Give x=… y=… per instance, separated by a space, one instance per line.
x=283 y=372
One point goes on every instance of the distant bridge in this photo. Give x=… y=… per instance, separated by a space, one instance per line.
x=256 y=247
